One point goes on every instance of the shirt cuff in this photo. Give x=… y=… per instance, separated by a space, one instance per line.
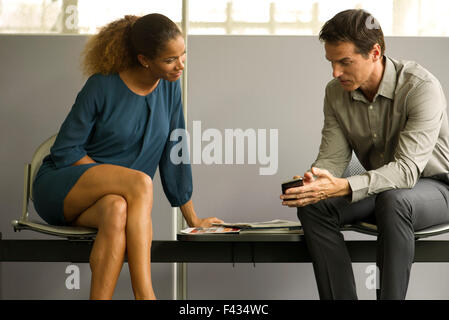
x=359 y=186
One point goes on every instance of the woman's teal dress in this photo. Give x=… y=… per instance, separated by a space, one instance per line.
x=113 y=125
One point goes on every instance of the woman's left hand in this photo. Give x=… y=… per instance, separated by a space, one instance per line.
x=192 y=219
x=207 y=222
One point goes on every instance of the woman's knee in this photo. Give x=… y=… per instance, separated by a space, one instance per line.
x=141 y=184
x=114 y=214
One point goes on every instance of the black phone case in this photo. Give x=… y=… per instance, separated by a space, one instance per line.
x=291 y=184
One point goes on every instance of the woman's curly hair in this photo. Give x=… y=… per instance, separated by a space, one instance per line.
x=110 y=50
x=116 y=46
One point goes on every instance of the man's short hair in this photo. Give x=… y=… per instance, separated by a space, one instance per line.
x=356 y=26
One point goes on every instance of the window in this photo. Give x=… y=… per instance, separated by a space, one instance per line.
x=267 y=17
x=76 y=16
x=306 y=17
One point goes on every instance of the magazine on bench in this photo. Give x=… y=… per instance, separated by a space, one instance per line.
x=211 y=230
x=273 y=226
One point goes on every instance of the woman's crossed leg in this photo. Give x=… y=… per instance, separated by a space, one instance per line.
x=118 y=202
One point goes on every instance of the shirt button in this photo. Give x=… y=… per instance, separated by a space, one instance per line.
x=371 y=107
x=375 y=135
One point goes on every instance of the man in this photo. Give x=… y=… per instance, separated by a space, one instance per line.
x=392 y=114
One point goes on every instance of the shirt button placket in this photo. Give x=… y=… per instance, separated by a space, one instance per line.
x=372 y=121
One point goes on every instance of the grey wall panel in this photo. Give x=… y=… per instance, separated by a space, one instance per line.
x=255 y=83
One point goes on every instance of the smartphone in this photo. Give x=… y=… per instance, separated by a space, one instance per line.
x=291 y=184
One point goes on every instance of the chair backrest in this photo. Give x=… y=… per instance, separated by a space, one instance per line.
x=24 y=223
x=354 y=167
x=41 y=152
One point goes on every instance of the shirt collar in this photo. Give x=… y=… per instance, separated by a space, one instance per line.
x=387 y=84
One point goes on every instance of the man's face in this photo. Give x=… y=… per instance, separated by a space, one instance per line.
x=351 y=68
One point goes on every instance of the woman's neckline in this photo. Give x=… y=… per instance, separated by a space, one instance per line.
x=135 y=93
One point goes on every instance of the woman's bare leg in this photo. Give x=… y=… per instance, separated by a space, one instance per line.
x=139 y=235
x=108 y=215
x=136 y=188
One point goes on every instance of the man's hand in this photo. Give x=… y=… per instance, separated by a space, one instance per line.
x=319 y=184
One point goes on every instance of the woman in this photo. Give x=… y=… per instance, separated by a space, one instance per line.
x=99 y=173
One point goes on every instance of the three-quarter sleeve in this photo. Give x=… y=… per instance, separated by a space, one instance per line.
x=335 y=151
x=176 y=176
x=69 y=146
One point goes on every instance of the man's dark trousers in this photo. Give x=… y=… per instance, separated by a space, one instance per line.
x=397 y=213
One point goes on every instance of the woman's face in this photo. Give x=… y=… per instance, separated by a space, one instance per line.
x=170 y=63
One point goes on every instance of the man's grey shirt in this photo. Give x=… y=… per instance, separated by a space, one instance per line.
x=399 y=137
